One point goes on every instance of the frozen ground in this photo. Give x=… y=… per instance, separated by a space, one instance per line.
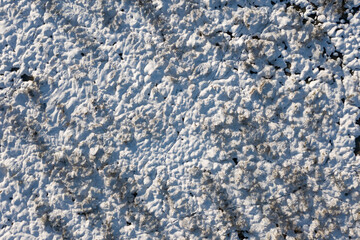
x=179 y=119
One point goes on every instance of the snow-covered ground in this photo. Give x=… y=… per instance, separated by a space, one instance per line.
x=179 y=119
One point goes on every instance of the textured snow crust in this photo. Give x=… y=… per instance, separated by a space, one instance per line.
x=179 y=119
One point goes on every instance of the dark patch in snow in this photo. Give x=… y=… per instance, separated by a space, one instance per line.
x=230 y=34
x=335 y=55
x=27 y=78
x=357 y=146
x=241 y=234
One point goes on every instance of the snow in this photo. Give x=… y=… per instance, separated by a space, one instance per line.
x=179 y=119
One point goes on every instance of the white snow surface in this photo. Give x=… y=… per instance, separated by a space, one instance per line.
x=174 y=119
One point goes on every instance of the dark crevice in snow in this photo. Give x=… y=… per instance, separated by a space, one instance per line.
x=27 y=78
x=357 y=146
